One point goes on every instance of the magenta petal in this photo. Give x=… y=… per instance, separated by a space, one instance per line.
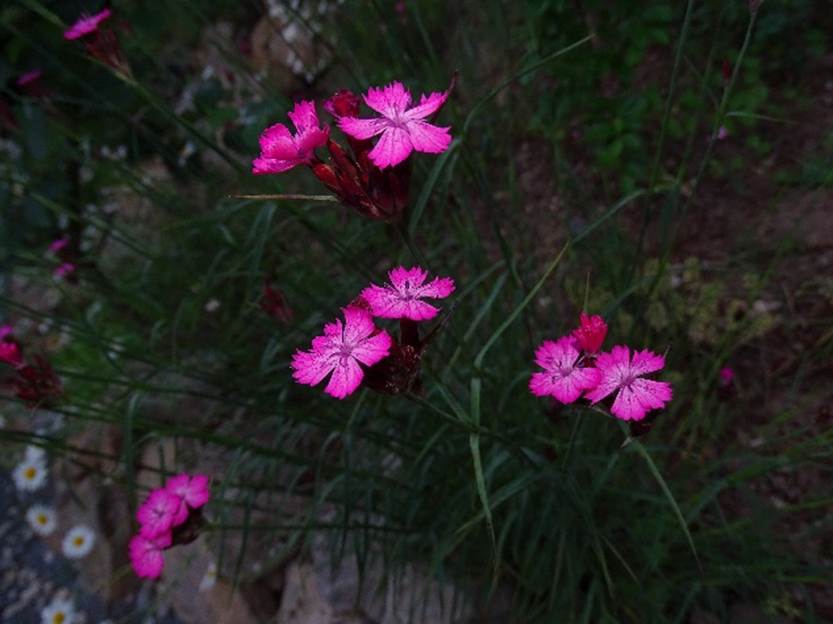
x=393 y=147
x=388 y=101
x=361 y=128
x=428 y=138
x=428 y=105
x=347 y=376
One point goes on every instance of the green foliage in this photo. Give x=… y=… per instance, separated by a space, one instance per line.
x=475 y=477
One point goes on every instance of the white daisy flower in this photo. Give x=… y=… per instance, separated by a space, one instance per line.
x=35 y=454
x=59 y=611
x=78 y=542
x=42 y=519
x=210 y=578
x=29 y=475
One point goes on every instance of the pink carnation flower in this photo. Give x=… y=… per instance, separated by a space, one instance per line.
x=280 y=150
x=340 y=351
x=28 y=77
x=726 y=376
x=403 y=129
x=158 y=513
x=58 y=244
x=191 y=491
x=402 y=297
x=636 y=395
x=86 y=25
x=562 y=377
x=146 y=554
x=10 y=354
x=591 y=332
x=67 y=268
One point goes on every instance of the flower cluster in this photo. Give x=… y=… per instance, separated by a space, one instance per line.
x=372 y=179
x=35 y=382
x=572 y=368
x=356 y=350
x=163 y=519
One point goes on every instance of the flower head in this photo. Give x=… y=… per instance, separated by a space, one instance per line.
x=5 y=332
x=158 y=513
x=42 y=519
x=562 y=378
x=58 y=244
x=402 y=127
x=86 y=24
x=64 y=270
x=591 y=332
x=10 y=353
x=726 y=376
x=192 y=492
x=27 y=78
x=636 y=395
x=209 y=579
x=78 y=542
x=59 y=611
x=403 y=296
x=280 y=150
x=340 y=351
x=30 y=474
x=146 y=554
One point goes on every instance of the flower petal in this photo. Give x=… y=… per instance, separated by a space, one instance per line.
x=389 y=101
x=393 y=147
x=428 y=138
x=347 y=376
x=428 y=105
x=362 y=128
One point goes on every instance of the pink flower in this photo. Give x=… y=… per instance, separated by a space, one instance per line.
x=10 y=354
x=5 y=332
x=67 y=268
x=86 y=25
x=158 y=513
x=402 y=297
x=562 y=376
x=340 y=351
x=280 y=150
x=191 y=491
x=726 y=376
x=403 y=129
x=591 y=332
x=636 y=395
x=58 y=244
x=146 y=554
x=28 y=77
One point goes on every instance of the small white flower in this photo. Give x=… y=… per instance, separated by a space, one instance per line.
x=78 y=542
x=30 y=475
x=210 y=578
x=59 y=611
x=42 y=519
x=212 y=305
x=35 y=454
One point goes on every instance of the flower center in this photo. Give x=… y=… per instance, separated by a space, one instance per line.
x=30 y=473
x=59 y=618
x=78 y=541
x=41 y=519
